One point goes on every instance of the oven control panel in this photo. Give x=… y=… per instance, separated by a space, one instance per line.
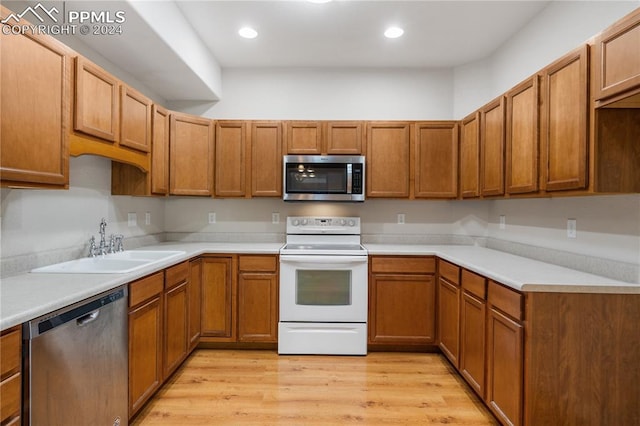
x=323 y=225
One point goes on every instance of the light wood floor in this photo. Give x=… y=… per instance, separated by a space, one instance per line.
x=227 y=387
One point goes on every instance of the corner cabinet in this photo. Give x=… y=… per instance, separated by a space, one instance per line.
x=402 y=301
x=473 y=308
x=470 y=156
x=449 y=311
x=35 y=101
x=388 y=159
x=191 y=147
x=492 y=148
x=176 y=317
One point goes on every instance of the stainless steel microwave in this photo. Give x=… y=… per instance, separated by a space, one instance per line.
x=323 y=178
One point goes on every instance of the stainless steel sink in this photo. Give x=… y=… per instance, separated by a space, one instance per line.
x=114 y=263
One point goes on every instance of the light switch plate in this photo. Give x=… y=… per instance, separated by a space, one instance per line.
x=571 y=228
x=132 y=219
x=147 y=218
x=503 y=221
x=275 y=218
x=212 y=217
x=401 y=218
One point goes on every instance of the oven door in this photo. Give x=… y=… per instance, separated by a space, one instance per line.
x=323 y=288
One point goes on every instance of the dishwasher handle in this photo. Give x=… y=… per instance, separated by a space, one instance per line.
x=89 y=318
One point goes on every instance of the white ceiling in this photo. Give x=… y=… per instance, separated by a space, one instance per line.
x=350 y=33
x=293 y=33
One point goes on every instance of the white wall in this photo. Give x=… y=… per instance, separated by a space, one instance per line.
x=42 y=220
x=340 y=94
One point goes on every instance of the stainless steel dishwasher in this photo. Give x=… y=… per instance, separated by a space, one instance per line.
x=77 y=363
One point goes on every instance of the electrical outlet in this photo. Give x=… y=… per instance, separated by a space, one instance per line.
x=212 y=217
x=147 y=218
x=132 y=219
x=571 y=228
x=503 y=221
x=400 y=218
x=275 y=218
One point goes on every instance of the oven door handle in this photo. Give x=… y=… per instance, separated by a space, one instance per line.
x=315 y=259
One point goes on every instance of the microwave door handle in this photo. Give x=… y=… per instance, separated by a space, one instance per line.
x=349 y=178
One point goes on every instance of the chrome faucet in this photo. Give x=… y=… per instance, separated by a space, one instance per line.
x=115 y=242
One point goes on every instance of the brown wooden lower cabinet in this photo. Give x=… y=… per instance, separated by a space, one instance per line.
x=472 y=341
x=146 y=301
x=219 y=289
x=258 y=298
x=194 y=291
x=176 y=317
x=402 y=300
x=10 y=376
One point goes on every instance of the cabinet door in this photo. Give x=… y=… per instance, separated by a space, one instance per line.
x=472 y=341
x=266 y=159
x=565 y=118
x=10 y=376
x=523 y=138
x=388 y=159
x=449 y=320
x=505 y=368
x=303 y=137
x=96 y=101
x=135 y=119
x=492 y=148
x=402 y=309
x=470 y=157
x=194 y=290
x=231 y=158
x=344 y=137
x=176 y=317
x=617 y=52
x=35 y=103
x=145 y=351
x=218 y=298
x=436 y=160
x=257 y=307
x=160 y=151
x=191 y=155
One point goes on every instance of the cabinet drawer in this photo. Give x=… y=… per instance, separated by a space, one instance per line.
x=145 y=288
x=449 y=271
x=508 y=301
x=258 y=263
x=404 y=264
x=10 y=398
x=474 y=284
x=177 y=274
x=10 y=346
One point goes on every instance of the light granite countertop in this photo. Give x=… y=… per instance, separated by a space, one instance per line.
x=30 y=295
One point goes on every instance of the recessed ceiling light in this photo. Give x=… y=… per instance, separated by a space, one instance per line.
x=393 y=32
x=248 y=32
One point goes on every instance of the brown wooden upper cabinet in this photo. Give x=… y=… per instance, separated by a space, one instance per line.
x=388 y=159
x=470 y=156
x=191 y=145
x=303 y=137
x=324 y=137
x=617 y=52
x=492 y=148
x=231 y=149
x=160 y=151
x=523 y=137
x=135 y=119
x=266 y=159
x=565 y=122
x=96 y=101
x=436 y=159
x=36 y=71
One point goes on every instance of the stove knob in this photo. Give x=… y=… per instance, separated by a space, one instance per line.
x=304 y=222
x=295 y=222
x=352 y=222
x=343 y=222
